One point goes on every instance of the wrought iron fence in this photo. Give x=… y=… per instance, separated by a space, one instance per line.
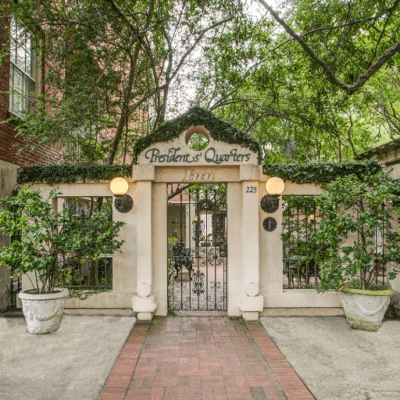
x=87 y=273
x=379 y=249
x=301 y=253
x=15 y=279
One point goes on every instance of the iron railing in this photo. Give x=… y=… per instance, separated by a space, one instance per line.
x=300 y=250
x=89 y=274
x=302 y=254
x=15 y=278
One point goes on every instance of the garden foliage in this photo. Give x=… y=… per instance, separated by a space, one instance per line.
x=52 y=242
x=357 y=231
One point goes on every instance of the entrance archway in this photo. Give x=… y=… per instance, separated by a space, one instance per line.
x=201 y=277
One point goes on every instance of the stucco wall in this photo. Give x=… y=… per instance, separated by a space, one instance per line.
x=271 y=260
x=124 y=262
x=394 y=172
x=144 y=253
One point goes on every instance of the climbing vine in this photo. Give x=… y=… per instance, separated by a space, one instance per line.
x=319 y=173
x=314 y=172
x=55 y=174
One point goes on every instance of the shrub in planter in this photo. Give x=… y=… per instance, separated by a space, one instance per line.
x=51 y=241
x=355 y=265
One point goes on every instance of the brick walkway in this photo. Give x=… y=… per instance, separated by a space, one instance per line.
x=201 y=358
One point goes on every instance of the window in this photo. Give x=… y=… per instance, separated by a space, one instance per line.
x=22 y=81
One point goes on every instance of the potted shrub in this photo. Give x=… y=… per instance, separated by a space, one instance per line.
x=51 y=242
x=357 y=265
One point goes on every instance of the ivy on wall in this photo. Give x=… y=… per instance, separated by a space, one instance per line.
x=54 y=174
x=319 y=173
x=314 y=172
x=219 y=130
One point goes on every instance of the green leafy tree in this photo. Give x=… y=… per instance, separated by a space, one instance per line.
x=349 y=41
x=261 y=80
x=366 y=209
x=110 y=66
x=52 y=242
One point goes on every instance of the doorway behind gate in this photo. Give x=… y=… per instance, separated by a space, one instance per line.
x=197 y=247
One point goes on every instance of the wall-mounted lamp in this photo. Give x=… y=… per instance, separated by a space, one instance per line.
x=275 y=187
x=123 y=202
x=119 y=186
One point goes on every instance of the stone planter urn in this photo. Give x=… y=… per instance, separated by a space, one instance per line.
x=365 y=309
x=43 y=312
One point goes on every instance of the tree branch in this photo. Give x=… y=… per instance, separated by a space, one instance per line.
x=179 y=190
x=349 y=89
x=202 y=33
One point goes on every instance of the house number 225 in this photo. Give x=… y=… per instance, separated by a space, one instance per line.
x=251 y=189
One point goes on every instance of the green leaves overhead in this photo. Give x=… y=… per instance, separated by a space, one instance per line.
x=116 y=70
x=109 y=67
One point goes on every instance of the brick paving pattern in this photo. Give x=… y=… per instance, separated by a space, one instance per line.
x=202 y=358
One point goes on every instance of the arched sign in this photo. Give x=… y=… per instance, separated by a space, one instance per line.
x=176 y=152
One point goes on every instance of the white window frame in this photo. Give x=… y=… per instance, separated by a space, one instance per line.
x=30 y=75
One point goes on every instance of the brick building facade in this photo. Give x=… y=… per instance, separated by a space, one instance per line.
x=14 y=152
x=9 y=142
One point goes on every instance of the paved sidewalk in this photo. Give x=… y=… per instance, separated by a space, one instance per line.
x=202 y=358
x=337 y=362
x=70 y=364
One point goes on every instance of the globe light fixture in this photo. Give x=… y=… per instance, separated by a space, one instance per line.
x=270 y=202
x=119 y=186
x=123 y=202
x=275 y=186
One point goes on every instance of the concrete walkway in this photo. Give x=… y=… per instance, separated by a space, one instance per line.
x=199 y=358
x=70 y=364
x=202 y=358
x=337 y=362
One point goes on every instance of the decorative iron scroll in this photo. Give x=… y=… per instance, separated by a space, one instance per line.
x=198 y=283
x=198 y=230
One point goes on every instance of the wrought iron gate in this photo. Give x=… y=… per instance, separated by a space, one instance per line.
x=197 y=248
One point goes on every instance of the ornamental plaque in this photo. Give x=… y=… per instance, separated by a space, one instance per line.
x=123 y=204
x=269 y=224
x=269 y=204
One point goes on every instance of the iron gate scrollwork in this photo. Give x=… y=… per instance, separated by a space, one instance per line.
x=197 y=253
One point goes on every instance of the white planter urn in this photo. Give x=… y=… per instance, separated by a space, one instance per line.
x=43 y=312
x=365 y=309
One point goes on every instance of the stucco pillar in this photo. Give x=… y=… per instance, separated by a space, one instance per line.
x=160 y=273
x=250 y=302
x=234 y=215
x=144 y=302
